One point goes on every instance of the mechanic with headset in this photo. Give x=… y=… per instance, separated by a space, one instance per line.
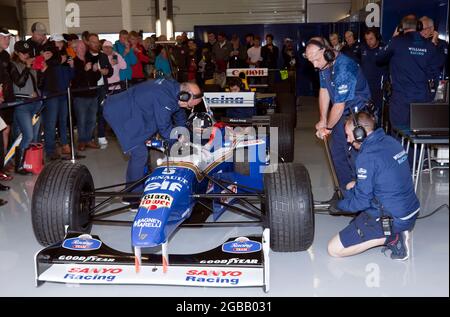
x=343 y=83
x=414 y=68
x=141 y=112
x=383 y=194
x=374 y=73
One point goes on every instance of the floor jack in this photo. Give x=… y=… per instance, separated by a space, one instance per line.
x=337 y=195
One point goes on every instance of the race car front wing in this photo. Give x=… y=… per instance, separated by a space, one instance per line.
x=85 y=259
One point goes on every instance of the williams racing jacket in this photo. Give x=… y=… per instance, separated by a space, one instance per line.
x=383 y=182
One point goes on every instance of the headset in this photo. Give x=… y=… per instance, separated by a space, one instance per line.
x=401 y=30
x=359 y=132
x=185 y=96
x=328 y=53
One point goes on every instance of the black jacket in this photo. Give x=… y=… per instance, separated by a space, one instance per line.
x=5 y=78
x=103 y=60
x=35 y=47
x=84 y=79
x=270 y=58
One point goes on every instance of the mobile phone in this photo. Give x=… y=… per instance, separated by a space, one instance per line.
x=115 y=57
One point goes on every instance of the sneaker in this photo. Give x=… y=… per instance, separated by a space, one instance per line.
x=92 y=145
x=65 y=149
x=102 y=141
x=5 y=177
x=81 y=146
x=399 y=245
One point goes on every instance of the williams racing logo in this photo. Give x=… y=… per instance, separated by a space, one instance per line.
x=417 y=51
x=400 y=157
x=155 y=201
x=362 y=173
x=342 y=89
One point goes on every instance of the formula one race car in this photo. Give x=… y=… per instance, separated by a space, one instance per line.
x=277 y=196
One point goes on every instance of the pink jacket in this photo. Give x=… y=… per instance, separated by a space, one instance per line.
x=121 y=64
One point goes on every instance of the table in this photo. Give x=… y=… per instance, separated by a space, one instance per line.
x=424 y=141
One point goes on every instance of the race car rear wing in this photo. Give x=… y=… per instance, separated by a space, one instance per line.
x=229 y=99
x=256 y=121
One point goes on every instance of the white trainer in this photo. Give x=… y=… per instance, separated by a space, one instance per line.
x=102 y=141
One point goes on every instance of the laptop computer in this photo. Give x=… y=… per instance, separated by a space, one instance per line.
x=429 y=119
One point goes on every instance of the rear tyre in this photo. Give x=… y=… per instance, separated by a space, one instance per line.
x=58 y=201
x=286 y=103
x=289 y=208
x=285 y=124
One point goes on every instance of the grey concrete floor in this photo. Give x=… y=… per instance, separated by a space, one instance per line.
x=311 y=273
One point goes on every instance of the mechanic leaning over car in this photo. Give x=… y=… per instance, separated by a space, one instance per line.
x=383 y=194
x=414 y=68
x=141 y=112
x=342 y=82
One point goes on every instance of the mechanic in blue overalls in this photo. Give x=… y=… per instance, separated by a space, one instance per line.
x=351 y=48
x=413 y=65
x=144 y=110
x=383 y=194
x=374 y=73
x=342 y=82
x=429 y=32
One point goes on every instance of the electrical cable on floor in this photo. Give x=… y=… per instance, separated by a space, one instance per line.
x=418 y=218
x=434 y=211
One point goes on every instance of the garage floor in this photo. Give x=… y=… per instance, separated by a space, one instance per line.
x=311 y=273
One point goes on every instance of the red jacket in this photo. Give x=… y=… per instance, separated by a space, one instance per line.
x=138 y=69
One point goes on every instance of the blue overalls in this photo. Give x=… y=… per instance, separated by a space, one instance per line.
x=345 y=83
x=413 y=61
x=354 y=52
x=140 y=112
x=383 y=185
x=374 y=75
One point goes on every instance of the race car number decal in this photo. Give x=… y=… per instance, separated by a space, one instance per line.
x=155 y=201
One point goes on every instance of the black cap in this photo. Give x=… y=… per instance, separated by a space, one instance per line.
x=49 y=46
x=22 y=47
x=4 y=31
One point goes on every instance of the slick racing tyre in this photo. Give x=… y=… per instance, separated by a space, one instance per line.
x=286 y=103
x=285 y=124
x=289 y=207
x=59 y=200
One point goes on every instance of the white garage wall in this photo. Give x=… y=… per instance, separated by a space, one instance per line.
x=100 y=16
x=105 y=16
x=213 y=12
x=328 y=10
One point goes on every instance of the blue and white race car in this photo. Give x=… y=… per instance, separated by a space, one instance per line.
x=275 y=195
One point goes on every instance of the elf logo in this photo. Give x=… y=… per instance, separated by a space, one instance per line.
x=165 y=185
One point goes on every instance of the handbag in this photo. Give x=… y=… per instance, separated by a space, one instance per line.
x=34 y=158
